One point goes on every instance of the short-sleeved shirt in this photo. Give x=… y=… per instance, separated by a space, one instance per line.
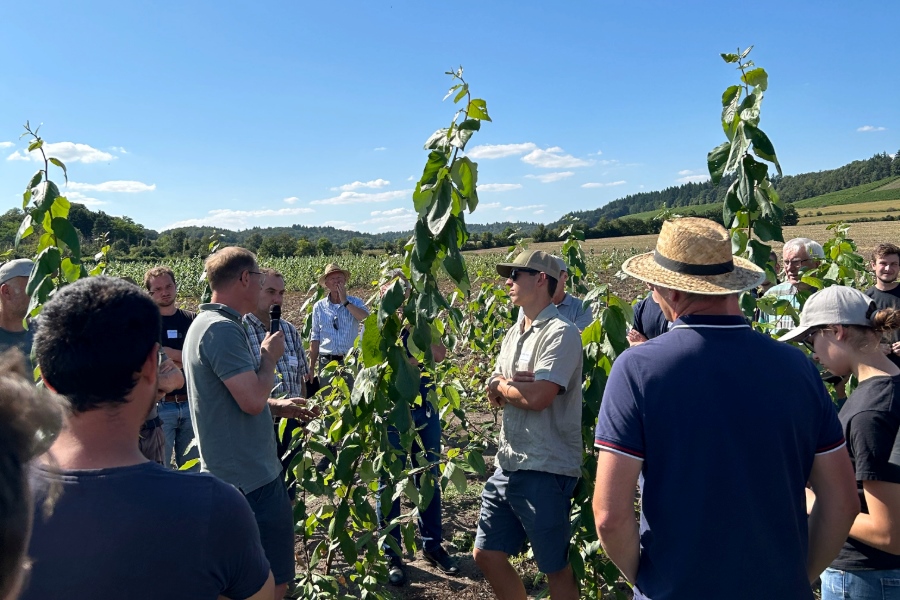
x=234 y=446
x=573 y=309
x=292 y=367
x=727 y=451
x=547 y=440
x=22 y=340
x=334 y=326
x=871 y=420
x=172 y=330
x=649 y=319
x=783 y=291
x=889 y=299
x=114 y=534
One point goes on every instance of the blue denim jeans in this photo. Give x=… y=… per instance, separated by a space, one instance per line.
x=861 y=585
x=179 y=432
x=428 y=423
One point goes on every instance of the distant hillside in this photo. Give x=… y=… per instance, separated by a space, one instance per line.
x=791 y=188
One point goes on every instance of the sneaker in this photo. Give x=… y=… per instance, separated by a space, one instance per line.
x=442 y=560
x=396 y=573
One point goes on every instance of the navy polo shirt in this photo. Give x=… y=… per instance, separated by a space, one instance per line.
x=727 y=423
x=649 y=319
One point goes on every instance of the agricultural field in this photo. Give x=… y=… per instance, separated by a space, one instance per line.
x=884 y=189
x=848 y=212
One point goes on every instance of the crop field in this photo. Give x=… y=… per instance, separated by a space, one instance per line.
x=872 y=192
x=847 y=212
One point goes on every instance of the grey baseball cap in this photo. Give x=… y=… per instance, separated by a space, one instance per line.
x=835 y=305
x=562 y=264
x=535 y=260
x=21 y=267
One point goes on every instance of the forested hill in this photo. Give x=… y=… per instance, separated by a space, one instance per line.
x=791 y=188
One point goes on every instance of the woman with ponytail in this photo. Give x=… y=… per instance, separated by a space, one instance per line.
x=843 y=329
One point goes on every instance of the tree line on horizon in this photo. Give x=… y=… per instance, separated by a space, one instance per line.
x=132 y=241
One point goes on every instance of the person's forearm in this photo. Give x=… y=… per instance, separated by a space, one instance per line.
x=868 y=531
x=527 y=395
x=313 y=357
x=828 y=526
x=622 y=543
x=173 y=354
x=358 y=313
x=264 y=380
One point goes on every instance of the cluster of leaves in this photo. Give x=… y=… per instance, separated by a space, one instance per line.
x=752 y=206
x=46 y=212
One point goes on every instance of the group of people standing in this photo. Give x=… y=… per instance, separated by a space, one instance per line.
x=740 y=456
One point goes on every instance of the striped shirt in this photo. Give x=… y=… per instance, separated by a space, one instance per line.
x=334 y=327
x=292 y=367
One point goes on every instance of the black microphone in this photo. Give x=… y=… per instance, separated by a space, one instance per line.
x=275 y=317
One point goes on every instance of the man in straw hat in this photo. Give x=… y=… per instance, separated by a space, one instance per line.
x=537 y=383
x=335 y=320
x=724 y=454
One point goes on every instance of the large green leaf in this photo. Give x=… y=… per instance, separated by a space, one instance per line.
x=25 y=229
x=438 y=140
x=64 y=231
x=614 y=328
x=756 y=78
x=477 y=110
x=767 y=231
x=391 y=302
x=44 y=194
x=739 y=146
x=730 y=110
x=464 y=173
x=762 y=146
x=404 y=377
x=731 y=205
x=62 y=166
x=440 y=211
x=371 y=342
x=716 y=160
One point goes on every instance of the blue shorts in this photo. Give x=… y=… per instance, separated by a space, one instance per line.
x=275 y=519
x=532 y=505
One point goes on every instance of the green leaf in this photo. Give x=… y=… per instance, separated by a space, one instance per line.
x=738 y=241
x=728 y=96
x=476 y=461
x=66 y=232
x=477 y=109
x=767 y=231
x=614 y=328
x=36 y=179
x=60 y=164
x=731 y=205
x=762 y=146
x=464 y=89
x=745 y=53
x=440 y=211
x=730 y=58
x=452 y=89
x=44 y=194
x=371 y=342
x=46 y=265
x=25 y=229
x=756 y=78
x=730 y=112
x=391 y=302
x=464 y=174
x=716 y=160
x=739 y=146
x=759 y=253
x=458 y=479
x=438 y=140
x=35 y=145
x=426 y=490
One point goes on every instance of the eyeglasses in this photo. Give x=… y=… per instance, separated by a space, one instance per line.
x=797 y=262
x=334 y=322
x=262 y=277
x=514 y=274
x=808 y=341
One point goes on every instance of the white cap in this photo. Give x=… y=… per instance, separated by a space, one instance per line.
x=835 y=305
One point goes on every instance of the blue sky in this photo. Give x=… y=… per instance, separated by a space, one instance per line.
x=273 y=113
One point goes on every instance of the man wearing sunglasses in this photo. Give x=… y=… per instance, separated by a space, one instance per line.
x=537 y=383
x=799 y=255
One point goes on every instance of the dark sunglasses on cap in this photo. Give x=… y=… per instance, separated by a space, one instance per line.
x=514 y=274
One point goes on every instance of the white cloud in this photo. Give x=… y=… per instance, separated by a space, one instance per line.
x=68 y=152
x=349 y=187
x=7 y=144
x=392 y=219
x=238 y=219
x=528 y=207
x=380 y=149
x=500 y=150
x=539 y=212
x=411 y=178
x=685 y=172
x=127 y=187
x=363 y=198
x=499 y=187
x=118 y=149
x=291 y=200
x=489 y=205
x=82 y=199
x=865 y=128
x=597 y=153
x=595 y=184
x=693 y=179
x=551 y=177
x=391 y=211
x=553 y=158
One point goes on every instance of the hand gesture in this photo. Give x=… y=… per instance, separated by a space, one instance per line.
x=635 y=337
x=293 y=408
x=273 y=345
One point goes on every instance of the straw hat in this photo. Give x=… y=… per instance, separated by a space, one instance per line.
x=333 y=268
x=694 y=255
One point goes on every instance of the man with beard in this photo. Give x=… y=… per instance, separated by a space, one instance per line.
x=173 y=407
x=886 y=292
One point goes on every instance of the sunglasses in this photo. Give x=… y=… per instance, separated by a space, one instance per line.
x=514 y=274
x=334 y=322
x=810 y=338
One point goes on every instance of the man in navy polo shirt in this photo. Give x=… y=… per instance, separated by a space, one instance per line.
x=723 y=450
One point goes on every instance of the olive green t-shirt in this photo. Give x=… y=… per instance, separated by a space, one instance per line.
x=234 y=446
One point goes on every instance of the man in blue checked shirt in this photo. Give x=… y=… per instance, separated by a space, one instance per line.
x=335 y=320
x=291 y=369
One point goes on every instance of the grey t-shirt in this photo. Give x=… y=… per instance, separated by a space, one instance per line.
x=22 y=340
x=547 y=440
x=234 y=446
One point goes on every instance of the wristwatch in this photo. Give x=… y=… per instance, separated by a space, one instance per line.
x=345 y=303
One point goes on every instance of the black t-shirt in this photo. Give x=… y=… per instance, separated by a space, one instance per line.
x=871 y=419
x=649 y=319
x=143 y=532
x=884 y=300
x=172 y=330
